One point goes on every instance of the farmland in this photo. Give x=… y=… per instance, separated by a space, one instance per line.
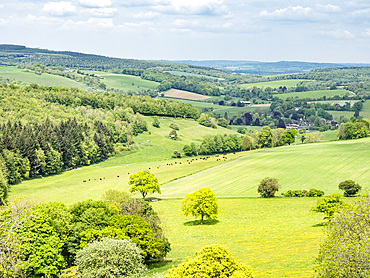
x=277 y=237
x=173 y=93
x=274 y=84
x=314 y=94
x=28 y=77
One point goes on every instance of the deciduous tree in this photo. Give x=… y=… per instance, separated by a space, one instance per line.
x=268 y=186
x=144 y=182
x=202 y=203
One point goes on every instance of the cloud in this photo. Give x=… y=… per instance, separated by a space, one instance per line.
x=1 y=6
x=366 y=33
x=329 y=8
x=196 y=7
x=337 y=34
x=59 y=8
x=96 y=3
x=362 y=13
x=146 y=15
x=90 y=23
x=289 y=13
x=102 y=12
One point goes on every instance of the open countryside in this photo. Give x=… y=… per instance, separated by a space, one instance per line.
x=67 y=149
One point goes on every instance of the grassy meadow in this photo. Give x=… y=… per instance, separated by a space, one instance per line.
x=313 y=94
x=14 y=73
x=278 y=237
x=274 y=84
x=125 y=82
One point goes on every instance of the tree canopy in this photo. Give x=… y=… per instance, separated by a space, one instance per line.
x=144 y=182
x=202 y=203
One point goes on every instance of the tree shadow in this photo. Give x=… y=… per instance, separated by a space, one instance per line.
x=322 y=224
x=165 y=263
x=208 y=222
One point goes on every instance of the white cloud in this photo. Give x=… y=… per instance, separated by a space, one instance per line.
x=199 y=7
x=102 y=12
x=362 y=13
x=329 y=8
x=338 y=34
x=146 y=15
x=96 y=3
x=59 y=8
x=289 y=13
x=90 y=23
x=1 y=6
x=366 y=33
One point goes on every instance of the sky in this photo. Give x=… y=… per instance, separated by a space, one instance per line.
x=276 y=30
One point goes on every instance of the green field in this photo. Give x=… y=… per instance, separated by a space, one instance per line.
x=14 y=73
x=278 y=237
x=313 y=94
x=365 y=112
x=274 y=84
x=125 y=82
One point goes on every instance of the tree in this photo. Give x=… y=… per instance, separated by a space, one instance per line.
x=350 y=188
x=329 y=205
x=268 y=186
x=156 y=122
x=110 y=258
x=144 y=182
x=201 y=203
x=211 y=262
x=173 y=134
x=247 y=143
x=222 y=122
x=346 y=250
x=289 y=136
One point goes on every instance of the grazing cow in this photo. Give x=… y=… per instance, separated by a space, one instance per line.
x=84 y=180
x=117 y=176
x=100 y=178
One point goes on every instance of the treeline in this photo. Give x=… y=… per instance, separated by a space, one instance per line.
x=252 y=139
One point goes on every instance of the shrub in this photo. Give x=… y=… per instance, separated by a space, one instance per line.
x=174 y=126
x=329 y=205
x=268 y=186
x=315 y=193
x=110 y=258
x=295 y=193
x=211 y=261
x=173 y=134
x=350 y=188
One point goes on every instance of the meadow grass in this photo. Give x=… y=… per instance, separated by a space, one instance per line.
x=274 y=84
x=125 y=82
x=313 y=94
x=14 y=73
x=365 y=112
x=278 y=237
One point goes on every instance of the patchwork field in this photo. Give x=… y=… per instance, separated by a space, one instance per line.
x=173 y=93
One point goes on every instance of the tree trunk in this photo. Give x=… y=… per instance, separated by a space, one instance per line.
x=201 y=220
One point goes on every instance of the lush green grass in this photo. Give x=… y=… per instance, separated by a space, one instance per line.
x=151 y=150
x=321 y=165
x=274 y=84
x=345 y=114
x=14 y=73
x=125 y=82
x=365 y=112
x=277 y=237
x=314 y=94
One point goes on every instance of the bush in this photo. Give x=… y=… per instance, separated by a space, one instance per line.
x=174 y=126
x=173 y=134
x=350 y=188
x=329 y=205
x=268 y=186
x=110 y=258
x=211 y=261
x=315 y=193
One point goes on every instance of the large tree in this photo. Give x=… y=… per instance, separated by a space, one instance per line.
x=268 y=186
x=202 y=202
x=346 y=250
x=144 y=182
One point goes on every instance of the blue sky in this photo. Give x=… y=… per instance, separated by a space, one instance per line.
x=306 y=30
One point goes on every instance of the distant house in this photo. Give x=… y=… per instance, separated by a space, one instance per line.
x=245 y=102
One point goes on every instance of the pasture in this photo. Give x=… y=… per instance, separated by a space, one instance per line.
x=274 y=84
x=278 y=237
x=125 y=82
x=28 y=77
x=314 y=94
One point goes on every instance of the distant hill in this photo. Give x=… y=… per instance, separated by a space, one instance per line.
x=255 y=67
